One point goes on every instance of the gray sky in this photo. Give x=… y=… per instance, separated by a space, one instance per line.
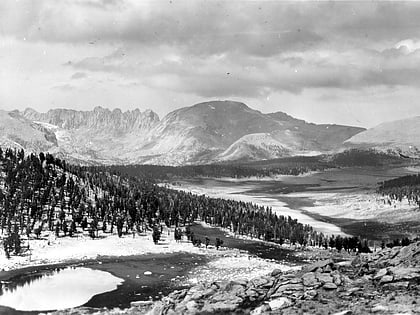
x=338 y=62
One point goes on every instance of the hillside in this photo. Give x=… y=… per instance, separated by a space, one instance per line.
x=399 y=136
x=204 y=133
x=19 y=132
x=44 y=194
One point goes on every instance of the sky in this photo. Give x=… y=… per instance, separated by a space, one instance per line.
x=355 y=63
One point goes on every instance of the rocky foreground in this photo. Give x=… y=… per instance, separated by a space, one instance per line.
x=386 y=282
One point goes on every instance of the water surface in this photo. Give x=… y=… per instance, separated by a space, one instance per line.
x=57 y=289
x=107 y=282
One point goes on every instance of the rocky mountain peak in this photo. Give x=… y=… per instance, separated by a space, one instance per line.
x=207 y=132
x=99 y=118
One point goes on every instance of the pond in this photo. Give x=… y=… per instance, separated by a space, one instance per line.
x=57 y=289
x=108 y=282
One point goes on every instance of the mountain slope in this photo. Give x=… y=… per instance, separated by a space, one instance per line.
x=203 y=133
x=98 y=136
x=396 y=136
x=98 y=119
x=257 y=146
x=19 y=132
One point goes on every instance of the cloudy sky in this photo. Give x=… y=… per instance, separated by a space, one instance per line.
x=338 y=62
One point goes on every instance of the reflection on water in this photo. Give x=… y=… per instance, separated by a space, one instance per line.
x=57 y=289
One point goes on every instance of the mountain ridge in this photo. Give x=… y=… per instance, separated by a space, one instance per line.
x=197 y=134
x=99 y=117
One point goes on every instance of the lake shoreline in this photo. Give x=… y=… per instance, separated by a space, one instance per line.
x=179 y=269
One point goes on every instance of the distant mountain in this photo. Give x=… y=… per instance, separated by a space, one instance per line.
x=204 y=133
x=99 y=119
x=256 y=146
x=400 y=136
x=19 y=132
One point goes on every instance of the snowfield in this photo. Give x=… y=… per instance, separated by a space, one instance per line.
x=224 y=264
x=50 y=249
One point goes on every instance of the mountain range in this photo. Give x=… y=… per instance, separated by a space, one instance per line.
x=207 y=132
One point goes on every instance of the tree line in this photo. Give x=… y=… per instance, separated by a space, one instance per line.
x=402 y=187
x=295 y=165
x=42 y=193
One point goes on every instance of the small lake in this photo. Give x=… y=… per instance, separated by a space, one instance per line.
x=57 y=289
x=109 y=282
x=115 y=282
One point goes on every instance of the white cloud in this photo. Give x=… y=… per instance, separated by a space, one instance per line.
x=171 y=53
x=408 y=45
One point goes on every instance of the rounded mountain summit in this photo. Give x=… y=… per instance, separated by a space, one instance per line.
x=203 y=133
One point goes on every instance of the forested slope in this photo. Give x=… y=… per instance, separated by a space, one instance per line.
x=402 y=187
x=41 y=193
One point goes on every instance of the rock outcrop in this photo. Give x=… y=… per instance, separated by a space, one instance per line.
x=98 y=119
x=383 y=283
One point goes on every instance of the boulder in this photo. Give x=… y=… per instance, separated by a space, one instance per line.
x=252 y=295
x=259 y=282
x=242 y=282
x=324 y=278
x=328 y=268
x=337 y=279
x=310 y=294
x=309 y=280
x=261 y=310
x=319 y=265
x=407 y=256
x=382 y=272
x=276 y=272
x=191 y=306
x=405 y=273
x=329 y=286
x=386 y=279
x=279 y=303
x=290 y=288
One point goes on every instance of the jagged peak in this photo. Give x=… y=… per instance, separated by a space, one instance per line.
x=30 y=110
x=98 y=118
x=96 y=109
x=100 y=109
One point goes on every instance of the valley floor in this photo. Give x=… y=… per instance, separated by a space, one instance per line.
x=364 y=212
x=333 y=202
